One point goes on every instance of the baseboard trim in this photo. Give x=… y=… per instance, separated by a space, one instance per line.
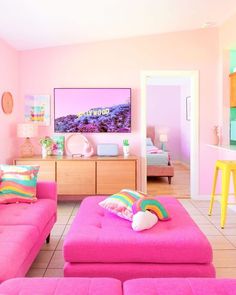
x=201 y=198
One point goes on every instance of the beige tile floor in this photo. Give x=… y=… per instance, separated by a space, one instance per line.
x=49 y=262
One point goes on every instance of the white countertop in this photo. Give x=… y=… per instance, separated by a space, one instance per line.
x=223 y=147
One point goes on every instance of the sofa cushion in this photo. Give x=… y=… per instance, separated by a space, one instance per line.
x=180 y=286
x=18 y=183
x=36 y=214
x=16 y=243
x=99 y=236
x=61 y=286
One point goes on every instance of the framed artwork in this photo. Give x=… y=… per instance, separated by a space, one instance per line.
x=37 y=109
x=188 y=108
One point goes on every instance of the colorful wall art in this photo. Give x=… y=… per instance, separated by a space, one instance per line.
x=37 y=109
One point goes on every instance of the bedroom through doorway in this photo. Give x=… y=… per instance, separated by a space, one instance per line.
x=169 y=131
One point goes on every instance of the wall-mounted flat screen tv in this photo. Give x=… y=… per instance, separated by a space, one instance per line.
x=92 y=110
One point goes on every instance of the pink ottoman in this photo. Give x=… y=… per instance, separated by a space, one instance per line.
x=180 y=286
x=61 y=286
x=100 y=244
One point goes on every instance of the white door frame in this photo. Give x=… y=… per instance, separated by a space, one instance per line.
x=194 y=137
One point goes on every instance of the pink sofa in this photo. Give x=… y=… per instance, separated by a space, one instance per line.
x=100 y=244
x=180 y=286
x=23 y=230
x=106 y=286
x=61 y=286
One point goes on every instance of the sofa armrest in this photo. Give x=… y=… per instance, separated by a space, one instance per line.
x=46 y=190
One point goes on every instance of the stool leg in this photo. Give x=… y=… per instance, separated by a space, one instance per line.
x=213 y=190
x=234 y=180
x=225 y=193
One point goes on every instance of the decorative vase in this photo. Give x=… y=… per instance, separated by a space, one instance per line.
x=88 y=150
x=215 y=139
x=126 y=150
x=44 y=151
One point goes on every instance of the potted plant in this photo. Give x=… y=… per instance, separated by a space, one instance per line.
x=126 y=147
x=46 y=143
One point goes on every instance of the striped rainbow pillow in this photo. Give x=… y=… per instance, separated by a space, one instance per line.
x=121 y=203
x=18 y=183
x=152 y=205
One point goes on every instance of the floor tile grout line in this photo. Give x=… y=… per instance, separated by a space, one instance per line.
x=70 y=215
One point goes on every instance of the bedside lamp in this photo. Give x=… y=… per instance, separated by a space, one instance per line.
x=163 y=139
x=27 y=130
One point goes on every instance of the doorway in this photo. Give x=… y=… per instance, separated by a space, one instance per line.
x=162 y=77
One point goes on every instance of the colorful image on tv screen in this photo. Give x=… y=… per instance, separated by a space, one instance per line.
x=92 y=110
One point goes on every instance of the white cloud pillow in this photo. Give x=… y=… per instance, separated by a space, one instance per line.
x=143 y=220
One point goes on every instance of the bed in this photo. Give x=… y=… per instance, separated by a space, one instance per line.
x=158 y=161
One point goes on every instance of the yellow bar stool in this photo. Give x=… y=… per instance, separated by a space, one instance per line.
x=226 y=167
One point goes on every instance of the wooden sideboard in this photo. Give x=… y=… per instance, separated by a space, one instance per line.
x=86 y=176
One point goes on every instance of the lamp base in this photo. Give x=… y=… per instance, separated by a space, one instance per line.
x=163 y=146
x=27 y=149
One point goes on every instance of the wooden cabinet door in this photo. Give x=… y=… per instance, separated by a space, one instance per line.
x=233 y=90
x=76 y=177
x=112 y=176
x=47 y=169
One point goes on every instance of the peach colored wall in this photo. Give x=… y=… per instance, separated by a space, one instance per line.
x=118 y=63
x=8 y=82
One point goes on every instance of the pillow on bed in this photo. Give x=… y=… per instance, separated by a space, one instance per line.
x=121 y=203
x=149 y=141
x=18 y=183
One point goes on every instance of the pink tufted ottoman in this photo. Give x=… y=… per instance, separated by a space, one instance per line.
x=180 y=286
x=100 y=244
x=61 y=286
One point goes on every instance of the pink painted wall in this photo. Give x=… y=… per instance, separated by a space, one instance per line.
x=9 y=82
x=118 y=63
x=164 y=113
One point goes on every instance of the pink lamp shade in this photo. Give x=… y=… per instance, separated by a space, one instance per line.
x=27 y=130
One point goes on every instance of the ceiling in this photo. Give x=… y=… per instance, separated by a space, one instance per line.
x=28 y=24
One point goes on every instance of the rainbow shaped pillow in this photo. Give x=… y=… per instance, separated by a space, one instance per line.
x=152 y=205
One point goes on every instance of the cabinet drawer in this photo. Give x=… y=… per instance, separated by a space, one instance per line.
x=76 y=177
x=47 y=170
x=113 y=176
x=233 y=90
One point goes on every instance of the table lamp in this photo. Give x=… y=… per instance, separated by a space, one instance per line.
x=163 y=139
x=27 y=130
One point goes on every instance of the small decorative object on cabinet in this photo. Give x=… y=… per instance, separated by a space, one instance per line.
x=58 y=145
x=75 y=145
x=88 y=149
x=47 y=144
x=216 y=139
x=232 y=78
x=26 y=130
x=126 y=147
